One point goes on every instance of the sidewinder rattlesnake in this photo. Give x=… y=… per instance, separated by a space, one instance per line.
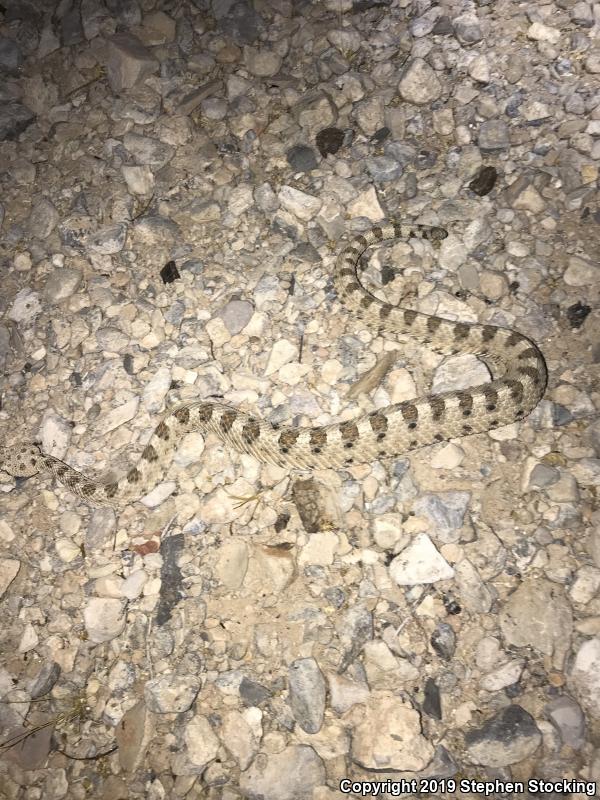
x=518 y=383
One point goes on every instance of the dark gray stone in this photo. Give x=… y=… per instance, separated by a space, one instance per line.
x=14 y=119
x=443 y=640
x=11 y=57
x=301 y=158
x=307 y=694
x=506 y=738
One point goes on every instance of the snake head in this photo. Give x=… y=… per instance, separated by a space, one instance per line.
x=21 y=461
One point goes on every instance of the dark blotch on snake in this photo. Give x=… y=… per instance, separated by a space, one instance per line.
x=288 y=438
x=227 y=420
x=205 y=412
x=349 y=433
x=133 y=476
x=465 y=403
x=162 y=431
x=149 y=453
x=182 y=415
x=438 y=407
x=318 y=439
x=251 y=431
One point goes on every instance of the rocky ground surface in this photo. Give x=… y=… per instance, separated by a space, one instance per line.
x=174 y=177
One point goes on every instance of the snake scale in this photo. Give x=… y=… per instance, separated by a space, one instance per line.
x=518 y=383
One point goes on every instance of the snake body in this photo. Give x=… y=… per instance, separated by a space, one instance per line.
x=518 y=383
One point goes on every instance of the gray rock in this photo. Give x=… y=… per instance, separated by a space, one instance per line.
x=71 y=28
x=253 y=693
x=127 y=12
x=74 y=230
x=148 y=151
x=508 y=737
x=542 y=476
x=171 y=589
x=292 y=774
x=582 y=14
x=474 y=593
x=262 y=62
x=107 y=241
x=43 y=218
x=128 y=61
x=44 y=680
x=493 y=136
x=132 y=736
x=383 y=168
x=236 y=315
x=443 y=640
x=171 y=694
x=26 y=306
x=419 y=83
x=307 y=694
x=11 y=57
x=62 y=283
x=568 y=718
x=302 y=158
x=446 y=512
x=538 y=615
x=5 y=348
x=467 y=29
x=100 y=529
x=14 y=119
x=141 y=105
x=155 y=230
x=355 y=627
x=419 y=562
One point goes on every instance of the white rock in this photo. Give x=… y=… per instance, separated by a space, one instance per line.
x=26 y=306
x=55 y=433
x=420 y=562
x=29 y=639
x=543 y=33
x=201 y=742
x=320 y=549
x=389 y=736
x=479 y=69
x=139 y=179
x=103 y=618
x=67 y=550
x=157 y=496
x=301 y=205
x=387 y=531
x=506 y=675
x=585 y=676
x=238 y=737
x=156 y=389
x=132 y=586
x=449 y=456
x=459 y=372
x=281 y=353
x=581 y=272
x=366 y=205
x=117 y=417
x=232 y=565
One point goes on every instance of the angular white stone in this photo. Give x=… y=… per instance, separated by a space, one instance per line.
x=420 y=562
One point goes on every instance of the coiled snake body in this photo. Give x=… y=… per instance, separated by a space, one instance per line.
x=518 y=384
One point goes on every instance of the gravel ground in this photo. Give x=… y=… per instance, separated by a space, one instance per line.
x=175 y=177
